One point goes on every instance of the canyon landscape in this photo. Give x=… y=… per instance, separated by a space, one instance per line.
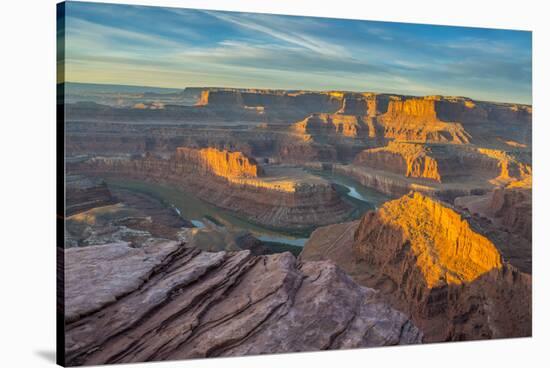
x=223 y=221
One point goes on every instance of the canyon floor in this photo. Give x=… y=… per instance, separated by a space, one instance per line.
x=224 y=222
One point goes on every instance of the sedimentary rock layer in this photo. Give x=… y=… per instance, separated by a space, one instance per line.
x=506 y=216
x=335 y=125
x=220 y=162
x=174 y=302
x=431 y=264
x=409 y=159
x=82 y=194
x=423 y=119
x=276 y=203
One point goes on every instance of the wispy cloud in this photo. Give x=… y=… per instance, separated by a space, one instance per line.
x=179 y=47
x=272 y=27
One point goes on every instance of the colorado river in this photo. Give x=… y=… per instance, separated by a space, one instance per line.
x=355 y=189
x=200 y=213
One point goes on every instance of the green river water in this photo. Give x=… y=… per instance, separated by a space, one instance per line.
x=198 y=211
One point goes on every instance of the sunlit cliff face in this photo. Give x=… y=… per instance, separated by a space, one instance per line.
x=512 y=172
x=235 y=167
x=328 y=124
x=412 y=160
x=229 y=164
x=447 y=250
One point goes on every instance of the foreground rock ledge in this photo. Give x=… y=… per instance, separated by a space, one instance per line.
x=167 y=301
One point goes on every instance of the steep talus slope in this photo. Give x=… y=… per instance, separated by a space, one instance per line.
x=430 y=263
x=185 y=303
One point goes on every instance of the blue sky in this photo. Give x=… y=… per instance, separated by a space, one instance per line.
x=171 y=47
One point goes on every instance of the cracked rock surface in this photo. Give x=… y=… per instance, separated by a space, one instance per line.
x=166 y=301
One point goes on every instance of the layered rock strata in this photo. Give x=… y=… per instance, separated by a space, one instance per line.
x=428 y=262
x=278 y=203
x=82 y=194
x=434 y=119
x=447 y=163
x=171 y=302
x=417 y=120
x=412 y=160
x=506 y=216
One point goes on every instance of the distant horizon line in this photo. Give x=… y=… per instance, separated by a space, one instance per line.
x=288 y=89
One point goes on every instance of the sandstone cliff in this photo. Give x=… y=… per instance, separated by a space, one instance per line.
x=220 y=162
x=511 y=169
x=429 y=262
x=409 y=159
x=415 y=119
x=168 y=302
x=331 y=124
x=444 y=247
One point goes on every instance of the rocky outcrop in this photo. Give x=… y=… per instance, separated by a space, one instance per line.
x=83 y=194
x=514 y=208
x=326 y=125
x=409 y=159
x=415 y=119
x=444 y=247
x=444 y=163
x=135 y=219
x=171 y=302
x=430 y=263
x=272 y=105
x=220 y=162
x=395 y=185
x=506 y=216
x=510 y=168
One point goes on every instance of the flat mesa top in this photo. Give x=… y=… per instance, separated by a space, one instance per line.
x=285 y=178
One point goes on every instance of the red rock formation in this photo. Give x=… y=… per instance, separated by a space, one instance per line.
x=514 y=208
x=511 y=170
x=429 y=262
x=409 y=159
x=220 y=162
x=331 y=124
x=226 y=98
x=416 y=119
x=506 y=215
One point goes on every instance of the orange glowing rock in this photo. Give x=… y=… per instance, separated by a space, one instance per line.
x=416 y=119
x=409 y=159
x=446 y=249
x=221 y=162
x=512 y=171
x=335 y=124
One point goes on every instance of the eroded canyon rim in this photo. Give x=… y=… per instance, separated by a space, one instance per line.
x=415 y=213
